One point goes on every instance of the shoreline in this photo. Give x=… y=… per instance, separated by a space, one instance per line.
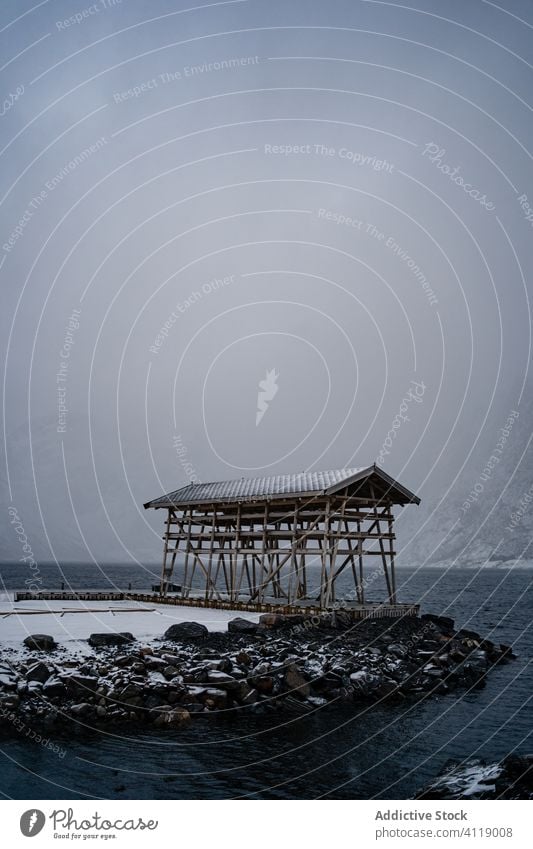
x=280 y=664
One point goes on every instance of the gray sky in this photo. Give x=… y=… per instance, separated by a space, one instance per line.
x=333 y=193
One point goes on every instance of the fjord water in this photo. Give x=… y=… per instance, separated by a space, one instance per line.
x=355 y=751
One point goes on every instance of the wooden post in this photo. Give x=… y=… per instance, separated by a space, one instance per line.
x=209 y=583
x=324 y=569
x=361 y=571
x=259 y=590
x=235 y=556
x=163 y=584
x=381 y=546
x=186 y=586
x=391 y=554
x=294 y=578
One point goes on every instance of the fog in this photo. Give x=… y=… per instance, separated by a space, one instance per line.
x=331 y=200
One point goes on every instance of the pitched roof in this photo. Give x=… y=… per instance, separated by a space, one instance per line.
x=279 y=486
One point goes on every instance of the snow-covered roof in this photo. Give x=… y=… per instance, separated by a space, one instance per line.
x=279 y=486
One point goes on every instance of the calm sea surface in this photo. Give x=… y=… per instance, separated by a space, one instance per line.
x=347 y=753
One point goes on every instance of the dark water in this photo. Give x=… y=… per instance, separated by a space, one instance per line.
x=352 y=752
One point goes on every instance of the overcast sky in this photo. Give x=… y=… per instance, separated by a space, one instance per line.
x=330 y=199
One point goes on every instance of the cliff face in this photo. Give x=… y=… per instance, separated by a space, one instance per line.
x=488 y=513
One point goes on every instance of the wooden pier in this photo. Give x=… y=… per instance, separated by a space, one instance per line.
x=357 y=611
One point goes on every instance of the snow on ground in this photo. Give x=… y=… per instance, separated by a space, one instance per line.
x=71 y=622
x=470 y=779
x=482 y=780
x=475 y=565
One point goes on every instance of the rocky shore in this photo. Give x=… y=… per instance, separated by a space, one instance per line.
x=284 y=664
x=511 y=778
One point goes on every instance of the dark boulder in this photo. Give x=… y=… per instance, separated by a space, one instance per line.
x=79 y=684
x=8 y=678
x=341 y=619
x=387 y=689
x=295 y=706
x=8 y=701
x=516 y=778
x=38 y=672
x=54 y=689
x=185 y=631
x=465 y=634
x=223 y=680
x=507 y=652
x=40 y=642
x=477 y=659
x=112 y=639
x=82 y=709
x=444 y=623
x=173 y=718
x=295 y=681
x=277 y=620
x=153 y=701
x=242 y=626
x=215 y=699
x=264 y=684
x=158 y=709
x=157 y=663
x=250 y=698
x=130 y=691
x=169 y=672
x=123 y=660
x=397 y=649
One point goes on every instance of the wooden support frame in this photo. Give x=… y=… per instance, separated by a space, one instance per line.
x=270 y=551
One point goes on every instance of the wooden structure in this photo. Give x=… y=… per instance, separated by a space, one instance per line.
x=372 y=610
x=282 y=540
